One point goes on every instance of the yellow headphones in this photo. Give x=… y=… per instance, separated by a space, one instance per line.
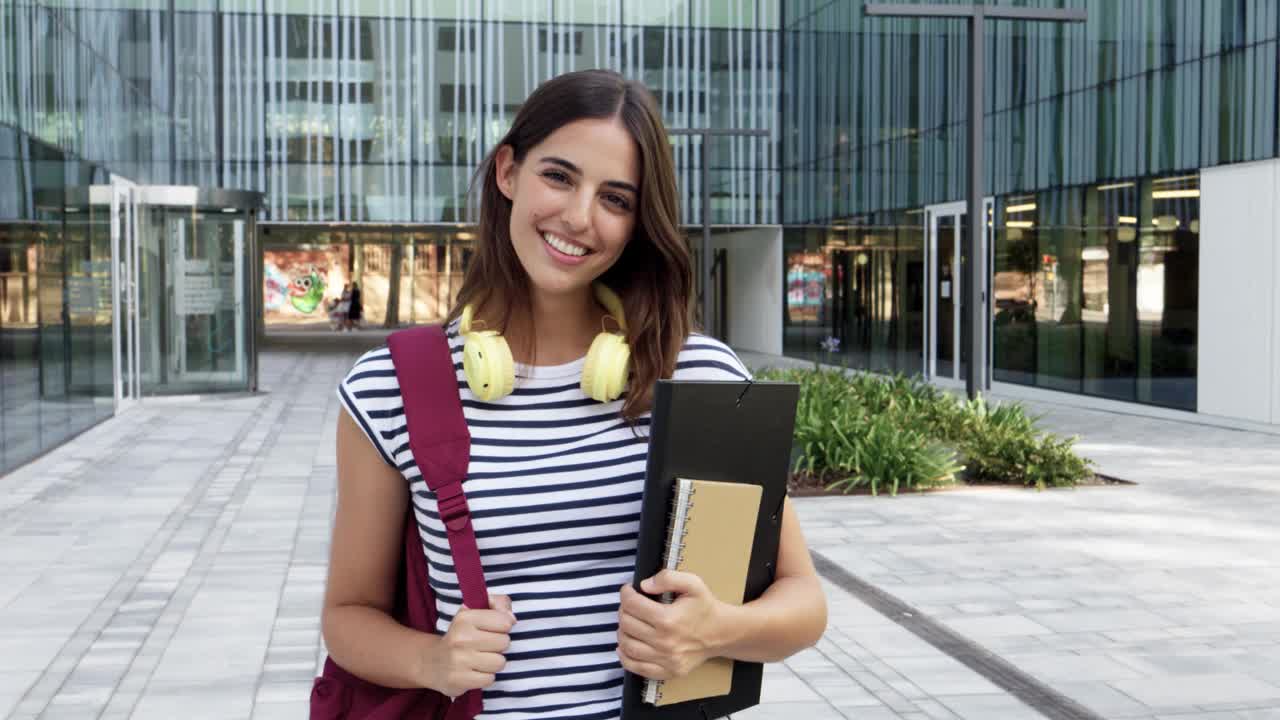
x=491 y=372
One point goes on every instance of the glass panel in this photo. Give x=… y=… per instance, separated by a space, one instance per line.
x=1108 y=266
x=674 y=12
x=19 y=331
x=1016 y=287
x=1168 y=291
x=89 y=304
x=425 y=289
x=305 y=272
x=376 y=254
x=586 y=12
x=807 y=276
x=907 y=336
x=946 y=291
x=205 y=281
x=1057 y=222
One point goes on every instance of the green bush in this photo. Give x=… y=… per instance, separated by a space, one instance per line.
x=900 y=433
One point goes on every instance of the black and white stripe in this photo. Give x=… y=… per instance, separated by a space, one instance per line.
x=554 y=487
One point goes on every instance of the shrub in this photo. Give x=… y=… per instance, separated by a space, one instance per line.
x=900 y=433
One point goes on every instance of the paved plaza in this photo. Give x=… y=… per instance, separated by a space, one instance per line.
x=170 y=562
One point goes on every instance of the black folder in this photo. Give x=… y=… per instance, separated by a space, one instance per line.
x=730 y=432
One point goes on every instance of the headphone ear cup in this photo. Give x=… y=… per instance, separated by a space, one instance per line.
x=487 y=363
x=604 y=373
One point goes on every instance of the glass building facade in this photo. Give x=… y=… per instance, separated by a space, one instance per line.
x=361 y=123
x=1095 y=137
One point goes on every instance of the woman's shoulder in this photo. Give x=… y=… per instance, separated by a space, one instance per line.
x=370 y=393
x=706 y=358
x=374 y=372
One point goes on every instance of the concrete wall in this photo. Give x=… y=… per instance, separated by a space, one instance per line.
x=755 y=288
x=1239 y=324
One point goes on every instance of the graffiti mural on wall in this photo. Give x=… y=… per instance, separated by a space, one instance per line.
x=296 y=283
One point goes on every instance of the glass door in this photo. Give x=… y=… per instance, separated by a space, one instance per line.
x=944 y=225
x=125 y=344
x=946 y=349
x=205 y=279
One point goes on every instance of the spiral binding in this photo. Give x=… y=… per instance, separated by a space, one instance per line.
x=677 y=525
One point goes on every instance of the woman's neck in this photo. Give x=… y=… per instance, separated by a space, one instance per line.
x=564 y=327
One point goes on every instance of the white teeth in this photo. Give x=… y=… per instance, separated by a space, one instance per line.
x=563 y=246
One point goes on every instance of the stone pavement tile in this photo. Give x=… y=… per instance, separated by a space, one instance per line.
x=1015 y=644
x=23 y=650
x=298 y=692
x=12 y=687
x=1177 y=691
x=1206 y=663
x=980 y=629
x=194 y=704
x=935 y=710
x=941 y=675
x=847 y=695
x=948 y=593
x=1102 y=699
x=1044 y=604
x=889 y=640
x=781 y=685
x=1271 y=713
x=790 y=711
x=1080 y=621
x=1221 y=614
x=988 y=707
x=1090 y=667
x=1138 y=637
x=1218 y=631
x=1219 y=715
x=279 y=711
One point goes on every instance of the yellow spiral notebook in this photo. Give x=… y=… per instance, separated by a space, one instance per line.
x=710 y=534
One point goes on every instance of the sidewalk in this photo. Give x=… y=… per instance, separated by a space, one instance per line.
x=171 y=562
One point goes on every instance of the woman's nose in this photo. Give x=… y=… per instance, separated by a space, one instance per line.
x=577 y=214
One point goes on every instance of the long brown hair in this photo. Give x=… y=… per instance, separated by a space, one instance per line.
x=653 y=276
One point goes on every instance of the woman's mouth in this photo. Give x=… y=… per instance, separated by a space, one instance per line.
x=563 y=250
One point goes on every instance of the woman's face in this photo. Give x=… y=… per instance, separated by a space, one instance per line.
x=574 y=201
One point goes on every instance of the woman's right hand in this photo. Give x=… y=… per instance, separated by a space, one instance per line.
x=473 y=648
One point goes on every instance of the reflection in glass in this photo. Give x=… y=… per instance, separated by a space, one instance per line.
x=406 y=277
x=1056 y=221
x=1108 y=317
x=1168 y=291
x=947 y=292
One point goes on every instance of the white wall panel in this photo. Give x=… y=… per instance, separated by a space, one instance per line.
x=755 y=288
x=1239 y=318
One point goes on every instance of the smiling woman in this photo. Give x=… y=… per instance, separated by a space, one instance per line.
x=583 y=188
x=576 y=302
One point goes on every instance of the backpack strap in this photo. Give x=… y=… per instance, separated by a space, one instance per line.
x=441 y=447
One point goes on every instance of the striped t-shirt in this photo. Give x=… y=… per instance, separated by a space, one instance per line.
x=554 y=487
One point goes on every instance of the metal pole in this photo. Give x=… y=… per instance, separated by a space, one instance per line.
x=705 y=283
x=974 y=290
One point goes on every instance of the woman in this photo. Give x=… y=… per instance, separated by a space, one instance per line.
x=582 y=189
x=356 y=313
x=343 y=309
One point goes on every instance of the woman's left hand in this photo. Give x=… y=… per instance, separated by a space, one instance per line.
x=659 y=641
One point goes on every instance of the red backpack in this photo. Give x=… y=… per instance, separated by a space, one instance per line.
x=441 y=447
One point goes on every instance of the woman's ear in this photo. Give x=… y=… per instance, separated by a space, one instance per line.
x=504 y=171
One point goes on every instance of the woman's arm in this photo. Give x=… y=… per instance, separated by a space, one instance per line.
x=364 y=559
x=662 y=641
x=789 y=617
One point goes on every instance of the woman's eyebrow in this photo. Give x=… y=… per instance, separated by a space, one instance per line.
x=578 y=171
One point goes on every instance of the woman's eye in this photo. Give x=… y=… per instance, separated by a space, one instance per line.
x=556 y=176
x=618 y=201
